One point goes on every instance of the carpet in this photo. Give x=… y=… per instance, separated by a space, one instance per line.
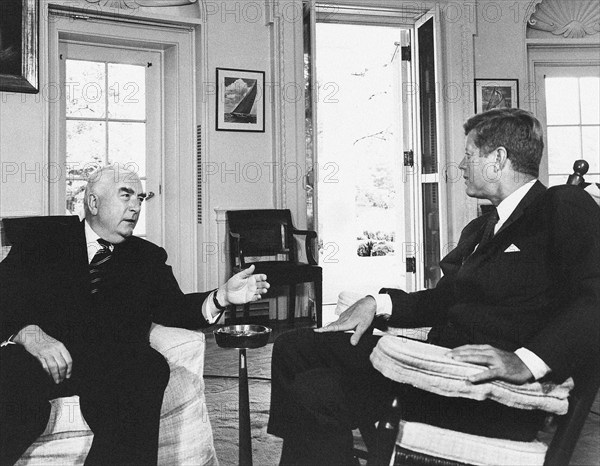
x=221 y=389
x=222 y=403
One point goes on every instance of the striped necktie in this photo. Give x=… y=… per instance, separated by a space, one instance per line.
x=98 y=265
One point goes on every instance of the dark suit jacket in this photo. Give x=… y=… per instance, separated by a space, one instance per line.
x=546 y=297
x=45 y=281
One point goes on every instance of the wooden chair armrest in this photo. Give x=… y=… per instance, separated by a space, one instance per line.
x=310 y=235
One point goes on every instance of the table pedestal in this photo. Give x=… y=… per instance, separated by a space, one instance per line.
x=245 y=439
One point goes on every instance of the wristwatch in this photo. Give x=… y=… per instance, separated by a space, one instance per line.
x=216 y=302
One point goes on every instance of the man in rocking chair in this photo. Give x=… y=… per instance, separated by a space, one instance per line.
x=520 y=296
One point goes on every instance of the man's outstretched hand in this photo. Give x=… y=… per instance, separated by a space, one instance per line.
x=245 y=287
x=357 y=317
x=51 y=353
x=501 y=365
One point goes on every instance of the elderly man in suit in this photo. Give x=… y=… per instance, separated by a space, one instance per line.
x=520 y=296
x=77 y=302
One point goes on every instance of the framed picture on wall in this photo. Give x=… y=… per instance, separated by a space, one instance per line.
x=240 y=100
x=19 y=46
x=496 y=93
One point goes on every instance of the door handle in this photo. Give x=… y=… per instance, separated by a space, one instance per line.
x=149 y=196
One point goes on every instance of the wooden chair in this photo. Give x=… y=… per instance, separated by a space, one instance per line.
x=384 y=449
x=267 y=239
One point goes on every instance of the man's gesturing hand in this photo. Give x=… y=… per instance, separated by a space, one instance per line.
x=357 y=317
x=245 y=287
x=51 y=353
x=502 y=365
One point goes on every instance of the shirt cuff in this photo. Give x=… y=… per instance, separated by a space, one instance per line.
x=209 y=310
x=9 y=341
x=384 y=304
x=533 y=362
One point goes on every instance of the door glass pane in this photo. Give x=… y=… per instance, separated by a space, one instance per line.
x=127 y=145
x=140 y=228
x=75 y=194
x=85 y=89
x=562 y=101
x=427 y=97
x=86 y=144
x=360 y=193
x=431 y=234
x=126 y=91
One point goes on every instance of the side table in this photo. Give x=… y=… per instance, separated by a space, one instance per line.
x=243 y=337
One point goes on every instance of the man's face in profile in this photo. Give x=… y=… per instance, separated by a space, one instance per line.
x=478 y=170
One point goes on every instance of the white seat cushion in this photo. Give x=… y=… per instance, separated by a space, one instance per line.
x=467 y=448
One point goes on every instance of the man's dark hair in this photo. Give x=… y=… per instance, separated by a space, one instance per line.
x=518 y=131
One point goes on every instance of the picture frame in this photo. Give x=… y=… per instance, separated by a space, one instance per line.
x=240 y=100
x=19 y=46
x=496 y=93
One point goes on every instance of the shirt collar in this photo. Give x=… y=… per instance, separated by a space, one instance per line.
x=508 y=205
x=91 y=239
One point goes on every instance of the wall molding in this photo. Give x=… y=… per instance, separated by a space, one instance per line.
x=134 y=4
x=278 y=111
x=572 y=20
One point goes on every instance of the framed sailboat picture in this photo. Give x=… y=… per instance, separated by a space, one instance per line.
x=240 y=100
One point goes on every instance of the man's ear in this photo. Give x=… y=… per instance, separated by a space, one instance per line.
x=501 y=157
x=92 y=203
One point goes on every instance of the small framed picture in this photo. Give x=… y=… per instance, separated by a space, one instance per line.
x=19 y=46
x=496 y=93
x=240 y=100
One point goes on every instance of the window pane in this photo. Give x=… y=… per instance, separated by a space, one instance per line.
x=85 y=82
x=86 y=146
x=564 y=147
x=591 y=147
x=126 y=91
x=555 y=180
x=75 y=192
x=590 y=100
x=140 y=228
x=562 y=101
x=127 y=145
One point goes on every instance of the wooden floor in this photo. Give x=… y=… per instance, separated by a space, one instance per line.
x=221 y=369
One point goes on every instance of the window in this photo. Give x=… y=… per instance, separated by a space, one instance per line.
x=573 y=123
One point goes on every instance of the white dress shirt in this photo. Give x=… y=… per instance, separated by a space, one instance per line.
x=533 y=362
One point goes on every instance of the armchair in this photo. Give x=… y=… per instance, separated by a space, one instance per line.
x=185 y=436
x=185 y=432
x=399 y=442
x=266 y=238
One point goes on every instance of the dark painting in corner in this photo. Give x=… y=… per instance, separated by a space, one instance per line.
x=19 y=45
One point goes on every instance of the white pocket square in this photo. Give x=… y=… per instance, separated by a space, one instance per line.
x=512 y=248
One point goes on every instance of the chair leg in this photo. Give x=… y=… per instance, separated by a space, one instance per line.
x=387 y=432
x=292 y=303
x=319 y=302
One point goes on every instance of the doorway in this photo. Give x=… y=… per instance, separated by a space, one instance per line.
x=361 y=197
